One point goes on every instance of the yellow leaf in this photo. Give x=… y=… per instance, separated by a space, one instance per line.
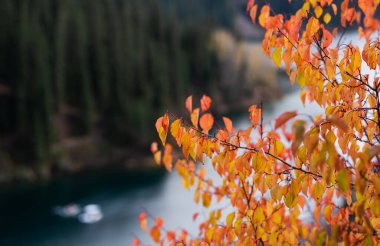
x=375 y=207
x=230 y=219
x=194 y=117
x=206 y=199
x=264 y=15
x=318 y=191
x=291 y=199
x=258 y=163
x=210 y=233
x=327 y=213
x=259 y=216
x=276 y=218
x=327 y=18
x=175 y=130
x=277 y=56
x=318 y=11
x=157 y=157
x=301 y=79
x=343 y=180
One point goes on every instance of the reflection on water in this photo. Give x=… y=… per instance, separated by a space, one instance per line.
x=27 y=216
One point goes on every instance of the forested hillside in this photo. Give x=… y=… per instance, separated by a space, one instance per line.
x=86 y=71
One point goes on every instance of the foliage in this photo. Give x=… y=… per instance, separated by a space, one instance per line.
x=272 y=174
x=72 y=68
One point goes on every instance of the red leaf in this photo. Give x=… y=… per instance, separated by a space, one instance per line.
x=195 y=216
x=282 y=119
x=159 y=221
x=170 y=235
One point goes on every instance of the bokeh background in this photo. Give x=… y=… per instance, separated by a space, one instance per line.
x=81 y=85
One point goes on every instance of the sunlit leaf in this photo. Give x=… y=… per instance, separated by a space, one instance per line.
x=206 y=122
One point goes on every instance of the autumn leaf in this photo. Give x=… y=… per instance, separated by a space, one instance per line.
x=230 y=219
x=205 y=103
x=194 y=117
x=327 y=18
x=206 y=122
x=255 y=115
x=338 y=122
x=228 y=124
x=155 y=234
x=189 y=104
x=136 y=242
x=143 y=221
x=318 y=11
x=168 y=158
x=162 y=126
x=206 y=199
x=277 y=56
x=253 y=13
x=170 y=235
x=159 y=222
x=343 y=180
x=264 y=15
x=285 y=117
x=315 y=162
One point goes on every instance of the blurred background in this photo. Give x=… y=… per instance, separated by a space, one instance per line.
x=81 y=85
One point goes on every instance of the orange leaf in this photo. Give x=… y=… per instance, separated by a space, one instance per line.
x=338 y=122
x=168 y=158
x=159 y=221
x=228 y=124
x=253 y=13
x=205 y=102
x=189 y=103
x=255 y=115
x=162 y=126
x=143 y=222
x=206 y=122
x=264 y=15
x=282 y=119
x=155 y=234
x=135 y=242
